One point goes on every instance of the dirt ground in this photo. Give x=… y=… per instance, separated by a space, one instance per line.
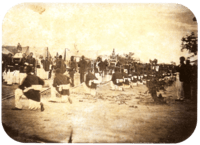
x=128 y=116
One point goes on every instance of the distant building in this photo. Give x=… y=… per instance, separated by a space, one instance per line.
x=113 y=55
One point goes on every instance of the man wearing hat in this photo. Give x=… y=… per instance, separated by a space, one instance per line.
x=61 y=87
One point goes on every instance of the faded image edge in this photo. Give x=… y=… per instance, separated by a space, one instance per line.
x=99 y=73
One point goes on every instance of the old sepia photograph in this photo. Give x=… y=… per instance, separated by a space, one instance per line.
x=99 y=73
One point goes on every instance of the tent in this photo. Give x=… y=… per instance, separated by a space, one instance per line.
x=25 y=50
x=40 y=51
x=5 y=51
x=12 y=49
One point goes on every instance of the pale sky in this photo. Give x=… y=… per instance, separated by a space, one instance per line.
x=149 y=30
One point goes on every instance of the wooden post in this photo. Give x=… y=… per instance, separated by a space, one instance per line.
x=47 y=54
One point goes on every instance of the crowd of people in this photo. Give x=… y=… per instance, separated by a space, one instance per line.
x=155 y=77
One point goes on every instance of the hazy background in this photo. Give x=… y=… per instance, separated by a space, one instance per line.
x=149 y=30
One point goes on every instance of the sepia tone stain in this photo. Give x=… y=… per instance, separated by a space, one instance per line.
x=37 y=8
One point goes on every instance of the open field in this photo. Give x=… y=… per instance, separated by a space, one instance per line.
x=112 y=116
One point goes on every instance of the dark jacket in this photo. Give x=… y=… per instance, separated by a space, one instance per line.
x=83 y=66
x=28 y=82
x=9 y=61
x=22 y=62
x=61 y=65
x=73 y=67
x=46 y=65
x=61 y=79
x=182 y=72
x=188 y=73
x=31 y=60
x=89 y=77
x=102 y=66
x=117 y=75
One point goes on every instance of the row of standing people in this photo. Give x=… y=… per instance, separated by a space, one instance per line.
x=9 y=63
x=187 y=80
x=61 y=82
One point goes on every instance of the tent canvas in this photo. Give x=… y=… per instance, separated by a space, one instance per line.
x=25 y=50
x=5 y=51
x=40 y=51
x=12 y=49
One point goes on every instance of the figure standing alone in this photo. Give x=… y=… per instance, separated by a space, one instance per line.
x=82 y=65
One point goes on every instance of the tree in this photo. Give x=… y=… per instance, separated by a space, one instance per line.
x=129 y=56
x=153 y=62
x=173 y=63
x=190 y=43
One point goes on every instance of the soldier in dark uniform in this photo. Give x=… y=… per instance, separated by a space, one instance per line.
x=60 y=64
x=126 y=77
x=90 y=77
x=117 y=79
x=91 y=83
x=182 y=76
x=73 y=69
x=106 y=65
x=83 y=68
x=61 y=85
x=9 y=62
x=102 y=67
x=188 y=78
x=22 y=63
x=134 y=78
x=29 y=89
x=31 y=61
x=46 y=65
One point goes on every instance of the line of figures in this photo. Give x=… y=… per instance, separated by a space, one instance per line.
x=32 y=74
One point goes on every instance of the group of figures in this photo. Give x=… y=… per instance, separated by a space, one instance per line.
x=33 y=73
x=187 y=84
